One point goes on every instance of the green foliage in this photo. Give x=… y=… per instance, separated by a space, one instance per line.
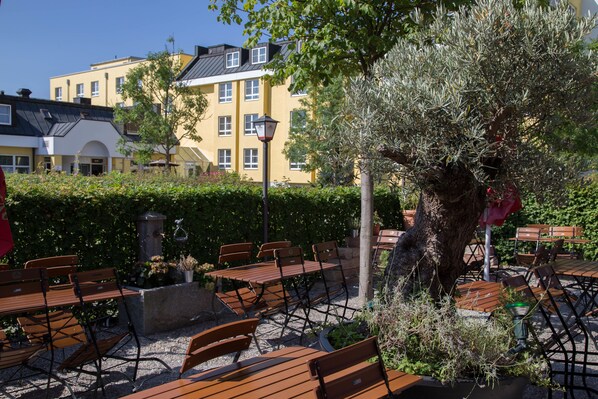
x=164 y=111
x=95 y=217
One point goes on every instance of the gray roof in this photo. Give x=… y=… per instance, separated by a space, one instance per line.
x=28 y=119
x=211 y=61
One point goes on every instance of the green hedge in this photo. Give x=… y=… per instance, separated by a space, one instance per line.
x=581 y=209
x=95 y=217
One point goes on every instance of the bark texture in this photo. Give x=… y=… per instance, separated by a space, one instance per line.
x=430 y=254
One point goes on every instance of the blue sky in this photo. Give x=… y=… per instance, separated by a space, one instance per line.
x=45 y=38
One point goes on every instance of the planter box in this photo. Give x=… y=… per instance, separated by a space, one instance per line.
x=170 y=307
x=507 y=388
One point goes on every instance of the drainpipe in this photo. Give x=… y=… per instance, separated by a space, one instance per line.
x=106 y=89
x=68 y=90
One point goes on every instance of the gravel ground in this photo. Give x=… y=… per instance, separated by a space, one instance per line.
x=170 y=347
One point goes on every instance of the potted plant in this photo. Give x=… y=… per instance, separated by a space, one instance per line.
x=459 y=356
x=187 y=265
x=377 y=221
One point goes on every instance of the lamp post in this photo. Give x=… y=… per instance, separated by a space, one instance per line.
x=265 y=128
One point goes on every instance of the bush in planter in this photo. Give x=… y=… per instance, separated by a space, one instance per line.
x=418 y=335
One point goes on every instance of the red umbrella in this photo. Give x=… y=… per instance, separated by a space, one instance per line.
x=496 y=213
x=6 y=243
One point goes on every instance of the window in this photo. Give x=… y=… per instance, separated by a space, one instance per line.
x=224 y=125
x=258 y=55
x=95 y=88
x=58 y=93
x=297 y=163
x=249 y=128
x=5 y=114
x=224 y=159
x=301 y=92
x=252 y=89
x=225 y=92
x=80 y=90
x=298 y=120
x=232 y=60
x=120 y=81
x=45 y=113
x=250 y=158
x=14 y=163
x=120 y=105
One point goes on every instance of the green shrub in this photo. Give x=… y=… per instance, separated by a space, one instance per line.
x=95 y=217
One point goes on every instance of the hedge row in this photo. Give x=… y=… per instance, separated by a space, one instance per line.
x=95 y=217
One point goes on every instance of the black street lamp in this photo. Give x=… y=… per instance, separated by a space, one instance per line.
x=265 y=128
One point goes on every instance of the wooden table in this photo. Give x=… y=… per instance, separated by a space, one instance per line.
x=481 y=296
x=56 y=298
x=263 y=273
x=281 y=374
x=585 y=274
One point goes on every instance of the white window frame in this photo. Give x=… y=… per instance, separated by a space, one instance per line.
x=5 y=114
x=225 y=92
x=118 y=84
x=297 y=93
x=14 y=167
x=292 y=114
x=225 y=125
x=248 y=123
x=224 y=158
x=80 y=89
x=252 y=89
x=297 y=165
x=232 y=59
x=95 y=88
x=259 y=55
x=58 y=93
x=250 y=158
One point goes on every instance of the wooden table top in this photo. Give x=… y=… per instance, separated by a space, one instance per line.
x=281 y=374
x=268 y=272
x=576 y=268
x=55 y=298
x=482 y=296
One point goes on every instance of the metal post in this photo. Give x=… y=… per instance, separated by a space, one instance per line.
x=265 y=192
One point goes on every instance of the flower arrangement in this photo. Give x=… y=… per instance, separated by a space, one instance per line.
x=187 y=263
x=152 y=273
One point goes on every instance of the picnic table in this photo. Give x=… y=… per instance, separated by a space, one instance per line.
x=279 y=374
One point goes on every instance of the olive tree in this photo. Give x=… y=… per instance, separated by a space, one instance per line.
x=474 y=100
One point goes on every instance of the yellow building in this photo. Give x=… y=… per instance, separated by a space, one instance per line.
x=232 y=80
x=101 y=84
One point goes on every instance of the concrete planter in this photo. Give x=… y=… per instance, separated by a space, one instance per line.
x=170 y=307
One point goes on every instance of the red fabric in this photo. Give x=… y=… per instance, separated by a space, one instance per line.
x=499 y=209
x=6 y=243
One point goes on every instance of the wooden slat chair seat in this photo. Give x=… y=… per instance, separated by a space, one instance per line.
x=19 y=356
x=218 y=341
x=344 y=372
x=65 y=329
x=58 y=269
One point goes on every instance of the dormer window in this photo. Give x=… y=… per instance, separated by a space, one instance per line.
x=232 y=59
x=45 y=113
x=5 y=114
x=258 y=55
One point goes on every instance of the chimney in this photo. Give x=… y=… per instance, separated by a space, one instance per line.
x=25 y=93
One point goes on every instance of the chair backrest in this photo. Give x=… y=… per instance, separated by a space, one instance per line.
x=17 y=282
x=288 y=256
x=578 y=231
x=4 y=266
x=326 y=252
x=218 y=341
x=557 y=247
x=541 y=257
x=334 y=383
x=544 y=228
x=528 y=233
x=267 y=249
x=56 y=266
x=389 y=236
x=562 y=231
x=239 y=252
x=547 y=278
x=94 y=282
x=519 y=283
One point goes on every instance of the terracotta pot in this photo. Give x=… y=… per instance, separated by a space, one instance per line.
x=408 y=218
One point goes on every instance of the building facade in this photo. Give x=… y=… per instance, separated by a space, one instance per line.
x=48 y=135
x=232 y=78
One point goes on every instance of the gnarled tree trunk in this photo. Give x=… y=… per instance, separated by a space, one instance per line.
x=431 y=252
